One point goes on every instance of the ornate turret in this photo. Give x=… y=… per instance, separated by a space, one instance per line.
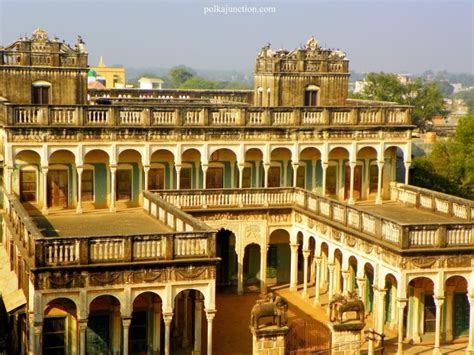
x=308 y=76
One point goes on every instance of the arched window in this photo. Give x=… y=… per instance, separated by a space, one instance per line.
x=259 y=97
x=268 y=96
x=311 y=95
x=40 y=92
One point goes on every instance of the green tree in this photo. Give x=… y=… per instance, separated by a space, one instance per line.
x=196 y=82
x=383 y=87
x=450 y=165
x=180 y=74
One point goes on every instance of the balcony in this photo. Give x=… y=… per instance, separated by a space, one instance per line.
x=198 y=115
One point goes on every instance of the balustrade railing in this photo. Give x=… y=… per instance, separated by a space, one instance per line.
x=203 y=115
x=401 y=235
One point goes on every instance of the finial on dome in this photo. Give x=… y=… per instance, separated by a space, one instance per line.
x=39 y=35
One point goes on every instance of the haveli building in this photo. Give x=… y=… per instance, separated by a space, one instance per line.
x=125 y=209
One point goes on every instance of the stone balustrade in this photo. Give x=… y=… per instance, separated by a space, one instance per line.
x=171 y=114
x=400 y=236
x=188 y=239
x=433 y=201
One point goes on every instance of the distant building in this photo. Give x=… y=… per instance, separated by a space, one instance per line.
x=359 y=85
x=110 y=77
x=150 y=83
x=404 y=78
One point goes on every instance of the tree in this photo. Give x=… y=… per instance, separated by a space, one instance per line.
x=180 y=74
x=425 y=97
x=196 y=82
x=450 y=165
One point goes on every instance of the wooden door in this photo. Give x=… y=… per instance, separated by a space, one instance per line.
x=357 y=182
x=138 y=343
x=57 y=188
x=460 y=314
x=246 y=177
x=215 y=178
x=301 y=177
x=124 y=184
x=274 y=176
x=156 y=179
x=98 y=335
x=28 y=186
x=87 y=185
x=185 y=179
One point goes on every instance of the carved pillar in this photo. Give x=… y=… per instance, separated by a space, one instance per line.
x=156 y=327
x=241 y=175
x=210 y=314
x=416 y=315
x=266 y=169
x=351 y=200
x=204 y=175
x=113 y=172
x=80 y=170
x=295 y=173
x=126 y=321
x=316 y=284
x=313 y=182
x=378 y=200
x=38 y=332
x=345 y=284
x=407 y=172
x=449 y=312
x=324 y=165
x=167 y=318
x=257 y=173
x=186 y=325
x=44 y=171
x=361 y=286
x=380 y=309
x=197 y=325
x=470 y=346
x=305 y=273
x=401 y=304
x=82 y=325
x=178 y=176
x=240 y=273
x=263 y=268
x=294 y=267
x=439 y=303
x=146 y=176
x=331 y=268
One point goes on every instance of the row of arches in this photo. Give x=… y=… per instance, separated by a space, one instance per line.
x=99 y=180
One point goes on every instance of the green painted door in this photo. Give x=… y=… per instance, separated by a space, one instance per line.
x=98 y=335
x=460 y=314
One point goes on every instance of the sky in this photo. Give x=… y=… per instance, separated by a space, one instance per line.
x=387 y=35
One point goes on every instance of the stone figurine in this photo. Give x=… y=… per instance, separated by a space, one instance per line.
x=341 y=304
x=277 y=308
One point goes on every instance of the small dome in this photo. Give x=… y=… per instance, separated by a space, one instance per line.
x=91 y=73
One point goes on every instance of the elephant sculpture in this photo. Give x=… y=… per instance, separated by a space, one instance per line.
x=276 y=308
x=341 y=304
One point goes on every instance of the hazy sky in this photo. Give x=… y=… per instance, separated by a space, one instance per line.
x=399 y=36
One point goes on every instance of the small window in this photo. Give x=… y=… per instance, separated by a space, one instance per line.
x=40 y=93
x=311 y=96
x=374 y=178
x=28 y=186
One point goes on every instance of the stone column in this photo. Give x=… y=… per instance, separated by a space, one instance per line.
x=401 y=304
x=8 y=179
x=416 y=315
x=263 y=268
x=82 y=325
x=345 y=283
x=204 y=175
x=80 y=170
x=126 y=321
x=470 y=346
x=294 y=267
x=449 y=312
x=167 y=318
x=185 y=342
x=361 y=286
x=324 y=165
x=240 y=273
x=197 y=326
x=331 y=268
x=295 y=173
x=113 y=172
x=156 y=327
x=266 y=168
x=380 y=310
x=241 y=175
x=439 y=303
x=407 y=172
x=146 y=173
x=316 y=283
x=210 y=314
x=38 y=331
x=378 y=200
x=257 y=173
x=351 y=200
x=44 y=171
x=313 y=183
x=305 y=281
x=178 y=176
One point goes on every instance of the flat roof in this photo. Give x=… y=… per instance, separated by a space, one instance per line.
x=96 y=223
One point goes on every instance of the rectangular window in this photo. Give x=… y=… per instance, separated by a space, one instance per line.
x=311 y=98
x=156 y=179
x=40 y=95
x=138 y=333
x=247 y=177
x=87 y=185
x=331 y=180
x=124 y=184
x=274 y=176
x=54 y=335
x=373 y=178
x=185 y=179
x=215 y=178
x=300 y=176
x=430 y=314
x=28 y=186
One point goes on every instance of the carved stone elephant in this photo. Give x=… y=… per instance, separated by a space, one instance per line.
x=277 y=309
